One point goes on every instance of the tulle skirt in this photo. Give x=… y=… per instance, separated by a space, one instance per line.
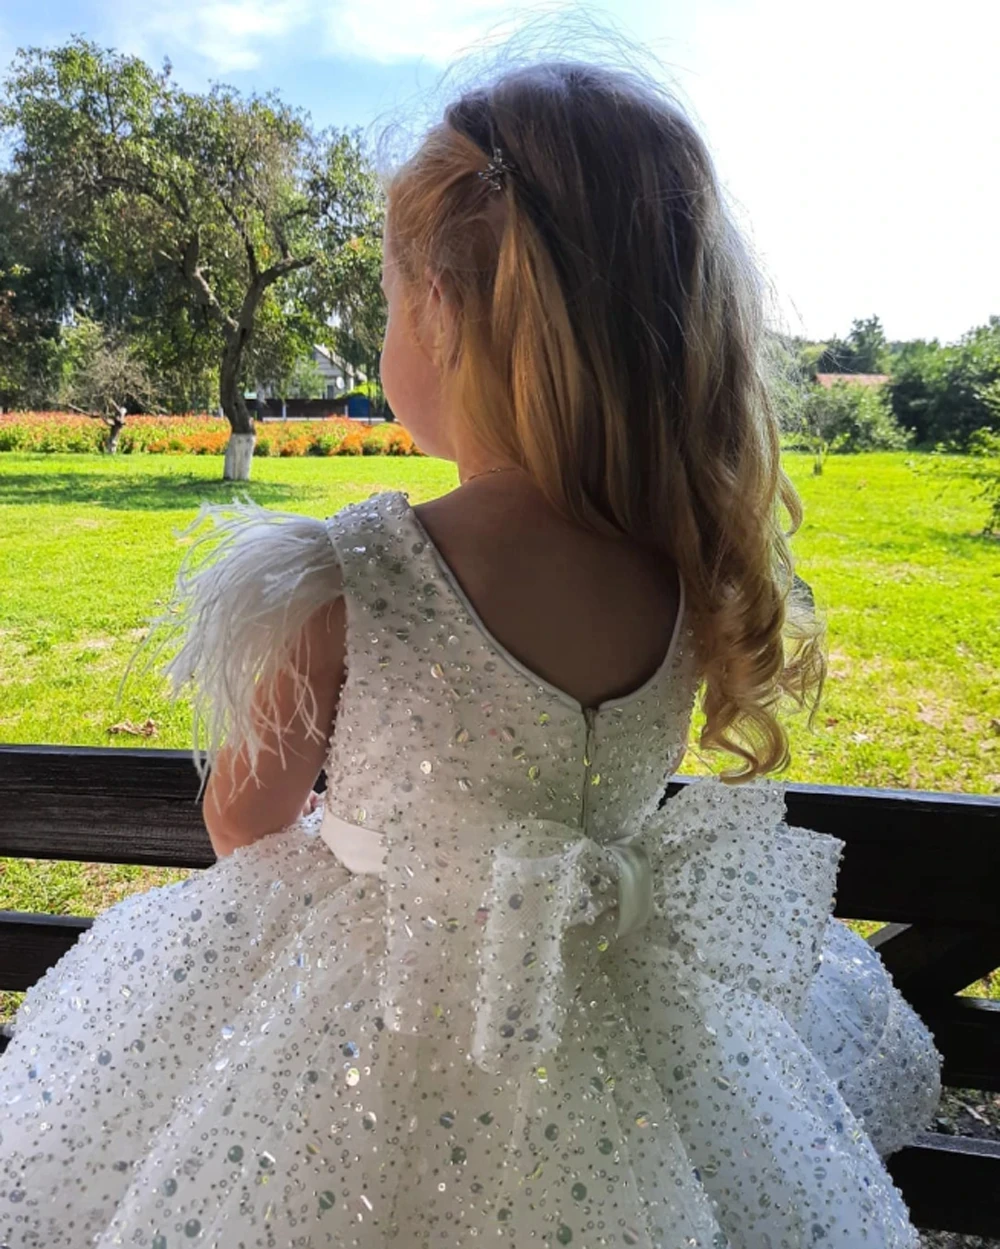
x=210 y=1065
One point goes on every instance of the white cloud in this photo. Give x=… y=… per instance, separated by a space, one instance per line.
x=388 y=31
x=232 y=35
x=229 y=35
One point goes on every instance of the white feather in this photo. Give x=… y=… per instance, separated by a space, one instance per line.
x=244 y=592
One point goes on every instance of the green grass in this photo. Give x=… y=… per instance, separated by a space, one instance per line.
x=890 y=545
x=89 y=552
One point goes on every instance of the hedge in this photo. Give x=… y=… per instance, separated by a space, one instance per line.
x=199 y=435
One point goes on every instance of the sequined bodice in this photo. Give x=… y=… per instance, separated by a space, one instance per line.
x=439 y=725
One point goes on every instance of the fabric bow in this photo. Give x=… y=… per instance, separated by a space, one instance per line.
x=714 y=879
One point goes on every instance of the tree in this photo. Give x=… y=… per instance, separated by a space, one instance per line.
x=985 y=447
x=32 y=285
x=104 y=377
x=234 y=195
x=848 y=417
x=355 y=274
x=942 y=394
x=865 y=350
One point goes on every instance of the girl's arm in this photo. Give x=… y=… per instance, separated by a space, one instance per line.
x=242 y=805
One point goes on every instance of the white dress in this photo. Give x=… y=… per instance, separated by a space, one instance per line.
x=496 y=992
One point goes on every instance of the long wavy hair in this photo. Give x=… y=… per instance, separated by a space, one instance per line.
x=608 y=337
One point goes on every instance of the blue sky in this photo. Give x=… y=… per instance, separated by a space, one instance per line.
x=860 y=142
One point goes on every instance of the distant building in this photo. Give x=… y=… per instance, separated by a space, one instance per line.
x=337 y=376
x=852 y=379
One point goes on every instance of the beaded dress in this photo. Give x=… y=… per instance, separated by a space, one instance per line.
x=496 y=991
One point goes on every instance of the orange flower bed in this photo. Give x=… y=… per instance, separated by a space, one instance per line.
x=199 y=435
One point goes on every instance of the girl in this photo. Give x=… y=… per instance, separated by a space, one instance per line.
x=494 y=988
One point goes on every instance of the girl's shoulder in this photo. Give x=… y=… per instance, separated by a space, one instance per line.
x=366 y=533
x=251 y=582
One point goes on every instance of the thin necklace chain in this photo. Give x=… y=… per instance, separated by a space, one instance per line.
x=505 y=468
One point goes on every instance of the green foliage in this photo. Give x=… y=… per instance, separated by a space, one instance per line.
x=865 y=350
x=364 y=390
x=227 y=212
x=846 y=417
x=945 y=394
x=304 y=380
x=984 y=446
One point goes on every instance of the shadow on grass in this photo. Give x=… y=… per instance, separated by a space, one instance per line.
x=969 y=545
x=127 y=492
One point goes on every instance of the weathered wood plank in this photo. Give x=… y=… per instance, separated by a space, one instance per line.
x=31 y=943
x=101 y=806
x=139 y=806
x=951 y=1183
x=967 y=1032
x=931 y=961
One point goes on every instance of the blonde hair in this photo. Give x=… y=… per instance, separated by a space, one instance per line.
x=608 y=337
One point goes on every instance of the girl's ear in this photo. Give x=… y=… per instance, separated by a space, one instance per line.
x=436 y=321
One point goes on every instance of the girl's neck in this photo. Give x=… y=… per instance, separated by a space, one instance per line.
x=474 y=463
x=489 y=472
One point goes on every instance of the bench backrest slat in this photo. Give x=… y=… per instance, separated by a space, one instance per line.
x=140 y=806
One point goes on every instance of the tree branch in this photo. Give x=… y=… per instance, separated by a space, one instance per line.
x=240 y=226
x=94 y=416
x=288 y=265
x=204 y=293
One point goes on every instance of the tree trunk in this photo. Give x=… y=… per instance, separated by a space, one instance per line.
x=115 y=426
x=239 y=452
x=238 y=331
x=239 y=457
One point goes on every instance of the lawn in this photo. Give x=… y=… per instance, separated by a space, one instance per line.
x=890 y=546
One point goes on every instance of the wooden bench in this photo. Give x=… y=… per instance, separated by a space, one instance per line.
x=929 y=864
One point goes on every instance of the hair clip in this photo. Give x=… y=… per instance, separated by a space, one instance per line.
x=497 y=170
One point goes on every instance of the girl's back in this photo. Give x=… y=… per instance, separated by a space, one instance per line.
x=591 y=615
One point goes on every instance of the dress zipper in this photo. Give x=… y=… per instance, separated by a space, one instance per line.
x=588 y=748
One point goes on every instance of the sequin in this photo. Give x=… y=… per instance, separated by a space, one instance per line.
x=432 y=1052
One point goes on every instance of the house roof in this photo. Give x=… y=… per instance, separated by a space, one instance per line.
x=852 y=379
x=330 y=356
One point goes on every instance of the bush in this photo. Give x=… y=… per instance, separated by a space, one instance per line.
x=985 y=445
x=351 y=445
x=198 y=435
x=849 y=417
x=399 y=442
x=945 y=394
x=325 y=444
